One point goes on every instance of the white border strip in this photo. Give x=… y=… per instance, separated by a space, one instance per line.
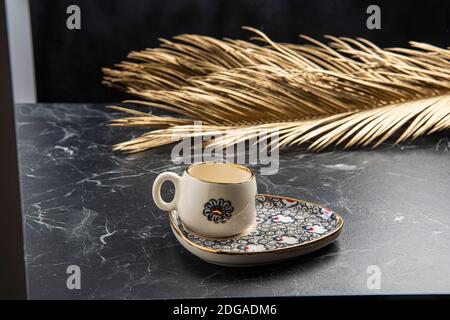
x=21 y=50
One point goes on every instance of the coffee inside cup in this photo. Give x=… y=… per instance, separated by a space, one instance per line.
x=220 y=172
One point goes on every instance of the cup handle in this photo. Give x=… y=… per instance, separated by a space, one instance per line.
x=156 y=191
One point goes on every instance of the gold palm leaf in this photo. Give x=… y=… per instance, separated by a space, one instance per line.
x=349 y=92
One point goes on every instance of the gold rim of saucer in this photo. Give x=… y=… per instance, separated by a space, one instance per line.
x=328 y=238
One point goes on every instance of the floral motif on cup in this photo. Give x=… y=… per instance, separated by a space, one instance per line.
x=281 y=223
x=218 y=211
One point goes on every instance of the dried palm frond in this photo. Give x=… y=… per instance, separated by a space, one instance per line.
x=348 y=92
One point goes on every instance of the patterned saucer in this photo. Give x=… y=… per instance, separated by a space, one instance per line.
x=286 y=228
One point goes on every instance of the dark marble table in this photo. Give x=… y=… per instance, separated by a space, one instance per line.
x=85 y=206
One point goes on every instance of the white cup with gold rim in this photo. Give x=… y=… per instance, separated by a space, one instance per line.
x=212 y=199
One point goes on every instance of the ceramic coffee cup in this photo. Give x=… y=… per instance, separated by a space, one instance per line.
x=214 y=200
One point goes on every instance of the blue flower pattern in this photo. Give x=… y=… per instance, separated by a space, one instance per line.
x=281 y=223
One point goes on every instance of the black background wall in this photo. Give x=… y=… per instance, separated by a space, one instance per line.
x=68 y=62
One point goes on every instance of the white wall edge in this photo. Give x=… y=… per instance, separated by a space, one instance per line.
x=18 y=21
